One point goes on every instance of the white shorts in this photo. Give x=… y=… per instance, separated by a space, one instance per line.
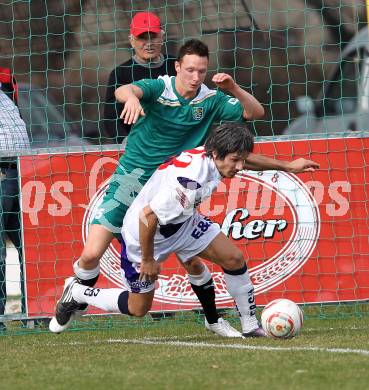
x=192 y=238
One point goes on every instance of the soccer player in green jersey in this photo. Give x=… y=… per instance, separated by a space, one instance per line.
x=169 y=114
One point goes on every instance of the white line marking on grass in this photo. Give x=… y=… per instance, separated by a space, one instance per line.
x=334 y=329
x=172 y=338
x=363 y=352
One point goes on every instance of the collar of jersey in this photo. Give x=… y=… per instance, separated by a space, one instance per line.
x=214 y=169
x=181 y=99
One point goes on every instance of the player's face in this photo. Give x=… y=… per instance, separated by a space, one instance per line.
x=147 y=46
x=191 y=73
x=231 y=164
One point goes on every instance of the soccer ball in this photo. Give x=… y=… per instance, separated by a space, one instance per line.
x=282 y=319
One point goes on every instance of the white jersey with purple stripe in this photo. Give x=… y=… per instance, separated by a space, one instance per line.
x=173 y=193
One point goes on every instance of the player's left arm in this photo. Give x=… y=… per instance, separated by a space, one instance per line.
x=252 y=109
x=258 y=162
x=150 y=268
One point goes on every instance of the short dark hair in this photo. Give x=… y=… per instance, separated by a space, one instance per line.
x=229 y=137
x=193 y=46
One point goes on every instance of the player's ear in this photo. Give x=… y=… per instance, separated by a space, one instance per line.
x=177 y=66
x=214 y=155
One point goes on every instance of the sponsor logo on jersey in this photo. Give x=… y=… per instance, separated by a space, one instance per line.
x=197 y=113
x=233 y=101
x=182 y=198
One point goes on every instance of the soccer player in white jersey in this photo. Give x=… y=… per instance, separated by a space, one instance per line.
x=163 y=219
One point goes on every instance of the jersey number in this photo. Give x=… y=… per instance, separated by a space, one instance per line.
x=201 y=228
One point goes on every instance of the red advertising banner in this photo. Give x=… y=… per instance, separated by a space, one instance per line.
x=304 y=237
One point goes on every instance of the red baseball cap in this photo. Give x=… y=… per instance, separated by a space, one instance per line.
x=144 y=22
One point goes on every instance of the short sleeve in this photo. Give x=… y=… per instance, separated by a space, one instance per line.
x=229 y=108
x=151 y=89
x=173 y=202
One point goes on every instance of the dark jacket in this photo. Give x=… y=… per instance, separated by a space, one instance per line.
x=124 y=74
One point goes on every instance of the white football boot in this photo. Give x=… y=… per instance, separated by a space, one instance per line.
x=223 y=328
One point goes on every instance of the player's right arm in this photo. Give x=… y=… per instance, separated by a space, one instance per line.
x=145 y=90
x=130 y=95
x=148 y=223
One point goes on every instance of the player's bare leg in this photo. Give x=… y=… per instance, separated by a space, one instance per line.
x=98 y=241
x=87 y=267
x=224 y=253
x=140 y=304
x=203 y=285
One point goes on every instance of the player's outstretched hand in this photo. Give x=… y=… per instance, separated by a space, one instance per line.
x=224 y=81
x=302 y=165
x=132 y=110
x=149 y=270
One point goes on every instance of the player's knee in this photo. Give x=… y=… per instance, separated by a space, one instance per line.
x=194 y=266
x=235 y=260
x=89 y=257
x=138 y=309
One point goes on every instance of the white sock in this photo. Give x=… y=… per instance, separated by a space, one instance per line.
x=85 y=274
x=242 y=290
x=103 y=298
x=199 y=280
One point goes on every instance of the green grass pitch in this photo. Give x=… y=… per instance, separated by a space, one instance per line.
x=116 y=353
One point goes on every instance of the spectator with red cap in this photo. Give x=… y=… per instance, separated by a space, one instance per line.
x=146 y=38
